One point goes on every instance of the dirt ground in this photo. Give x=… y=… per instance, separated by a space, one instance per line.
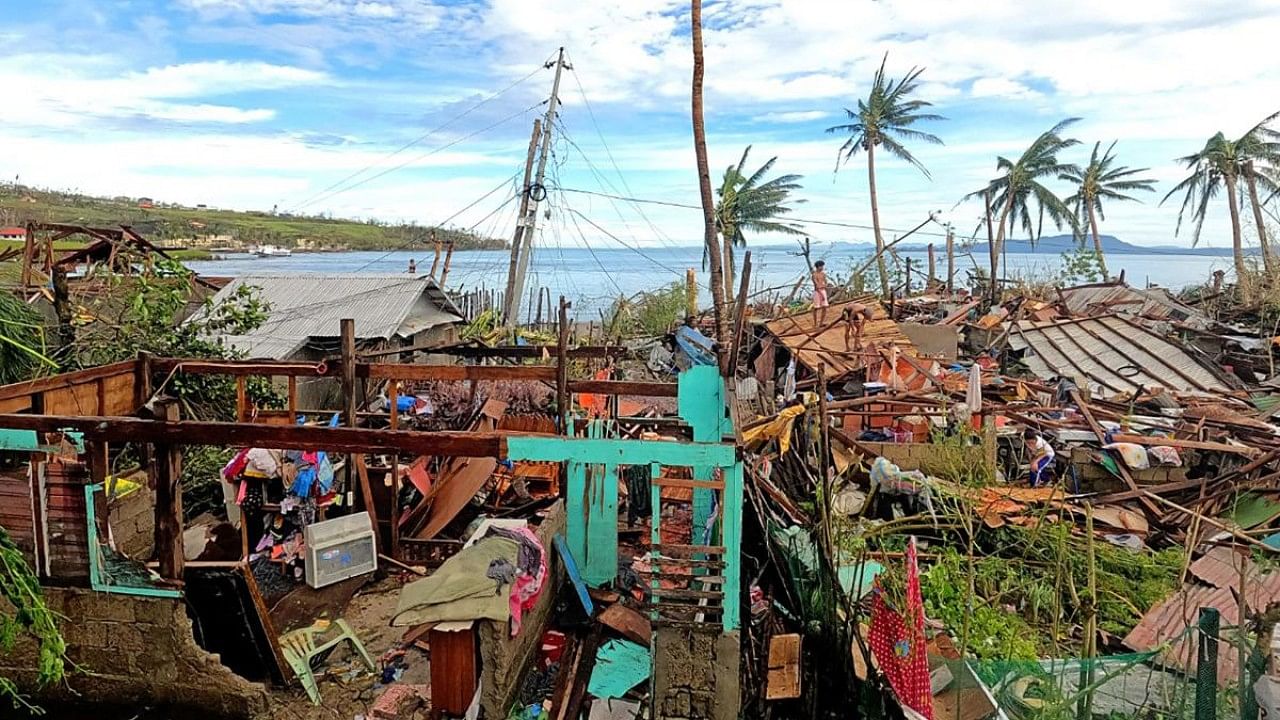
x=346 y=690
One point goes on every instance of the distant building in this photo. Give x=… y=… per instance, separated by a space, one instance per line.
x=305 y=313
x=146 y=203
x=13 y=233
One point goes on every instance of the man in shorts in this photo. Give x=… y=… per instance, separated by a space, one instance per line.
x=855 y=317
x=820 y=302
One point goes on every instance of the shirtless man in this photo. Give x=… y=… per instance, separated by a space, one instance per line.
x=820 y=291
x=855 y=318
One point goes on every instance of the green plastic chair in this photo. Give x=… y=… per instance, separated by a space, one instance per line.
x=300 y=647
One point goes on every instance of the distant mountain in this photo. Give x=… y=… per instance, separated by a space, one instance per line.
x=1111 y=245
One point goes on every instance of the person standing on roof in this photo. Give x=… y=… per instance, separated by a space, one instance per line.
x=820 y=302
x=1041 y=455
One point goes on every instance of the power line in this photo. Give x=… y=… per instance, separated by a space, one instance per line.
x=420 y=138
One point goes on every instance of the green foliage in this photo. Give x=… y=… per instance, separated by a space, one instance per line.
x=886 y=118
x=1081 y=266
x=749 y=202
x=174 y=222
x=994 y=631
x=31 y=617
x=23 y=353
x=1019 y=196
x=647 y=314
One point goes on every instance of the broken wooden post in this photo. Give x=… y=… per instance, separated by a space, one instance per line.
x=951 y=260
x=562 y=369
x=166 y=471
x=435 y=261
x=932 y=275
x=690 y=293
x=740 y=316
x=448 y=257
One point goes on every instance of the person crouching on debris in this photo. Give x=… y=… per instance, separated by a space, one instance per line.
x=1041 y=455
x=855 y=318
x=820 y=302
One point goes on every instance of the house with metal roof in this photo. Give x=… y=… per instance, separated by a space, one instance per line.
x=306 y=310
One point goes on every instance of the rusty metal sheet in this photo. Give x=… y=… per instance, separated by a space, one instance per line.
x=1147 y=303
x=1170 y=620
x=814 y=346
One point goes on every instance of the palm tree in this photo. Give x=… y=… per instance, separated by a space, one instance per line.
x=748 y=202
x=1219 y=166
x=1098 y=181
x=1021 y=185
x=885 y=119
x=704 y=183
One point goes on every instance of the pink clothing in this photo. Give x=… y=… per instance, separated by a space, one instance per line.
x=820 y=298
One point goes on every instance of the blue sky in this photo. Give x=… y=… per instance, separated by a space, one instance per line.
x=300 y=104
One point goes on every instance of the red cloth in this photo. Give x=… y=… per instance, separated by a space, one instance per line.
x=897 y=641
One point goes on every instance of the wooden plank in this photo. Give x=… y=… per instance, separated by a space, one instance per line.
x=628 y=622
x=388 y=371
x=783 y=682
x=682 y=594
x=684 y=483
x=686 y=550
x=65 y=380
x=166 y=471
x=285 y=437
x=624 y=387
x=1102 y=438
x=197 y=366
x=16 y=405
x=79 y=399
x=366 y=492
x=1151 y=441
x=118 y=394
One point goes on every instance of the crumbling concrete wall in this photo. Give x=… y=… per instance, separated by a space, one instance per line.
x=504 y=659
x=1094 y=477
x=133 y=521
x=695 y=674
x=925 y=456
x=132 y=652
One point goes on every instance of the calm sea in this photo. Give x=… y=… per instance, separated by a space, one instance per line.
x=593 y=278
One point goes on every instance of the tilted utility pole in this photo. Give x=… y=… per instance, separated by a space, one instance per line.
x=509 y=312
x=535 y=194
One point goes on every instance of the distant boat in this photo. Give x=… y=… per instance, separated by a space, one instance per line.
x=272 y=251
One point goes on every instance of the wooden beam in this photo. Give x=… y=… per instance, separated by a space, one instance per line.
x=563 y=399
x=1152 y=441
x=66 y=380
x=388 y=371
x=624 y=387
x=195 y=366
x=1145 y=498
x=284 y=437
x=167 y=469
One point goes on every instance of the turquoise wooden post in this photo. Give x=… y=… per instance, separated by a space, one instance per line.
x=701 y=404
x=576 y=510
x=731 y=539
x=602 y=526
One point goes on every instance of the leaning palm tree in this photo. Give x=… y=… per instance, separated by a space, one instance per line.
x=749 y=202
x=885 y=119
x=1220 y=165
x=1099 y=181
x=1020 y=186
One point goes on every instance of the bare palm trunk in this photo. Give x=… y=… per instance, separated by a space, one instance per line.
x=991 y=248
x=1251 y=183
x=875 y=223
x=729 y=272
x=998 y=247
x=1237 y=243
x=1097 y=243
x=704 y=184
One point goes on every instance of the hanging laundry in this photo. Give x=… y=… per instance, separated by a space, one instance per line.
x=897 y=640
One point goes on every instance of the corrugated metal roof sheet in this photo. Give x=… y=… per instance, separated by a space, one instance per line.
x=1114 y=353
x=1150 y=303
x=306 y=306
x=1170 y=620
x=813 y=346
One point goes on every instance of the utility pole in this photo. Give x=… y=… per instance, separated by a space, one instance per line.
x=535 y=194
x=509 y=312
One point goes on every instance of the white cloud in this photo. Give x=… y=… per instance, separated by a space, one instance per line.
x=792 y=116
x=60 y=93
x=1001 y=88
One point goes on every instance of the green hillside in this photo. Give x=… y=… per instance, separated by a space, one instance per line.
x=169 y=224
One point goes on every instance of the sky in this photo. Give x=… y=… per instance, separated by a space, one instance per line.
x=420 y=110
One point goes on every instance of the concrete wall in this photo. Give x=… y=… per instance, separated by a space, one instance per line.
x=504 y=659
x=133 y=520
x=1095 y=478
x=132 y=652
x=696 y=674
x=924 y=456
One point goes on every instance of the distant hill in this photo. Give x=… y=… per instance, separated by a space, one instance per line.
x=1111 y=245
x=174 y=225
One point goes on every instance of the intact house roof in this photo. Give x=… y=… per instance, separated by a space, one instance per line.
x=815 y=345
x=303 y=307
x=1114 y=354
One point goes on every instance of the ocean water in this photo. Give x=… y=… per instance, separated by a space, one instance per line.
x=592 y=278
